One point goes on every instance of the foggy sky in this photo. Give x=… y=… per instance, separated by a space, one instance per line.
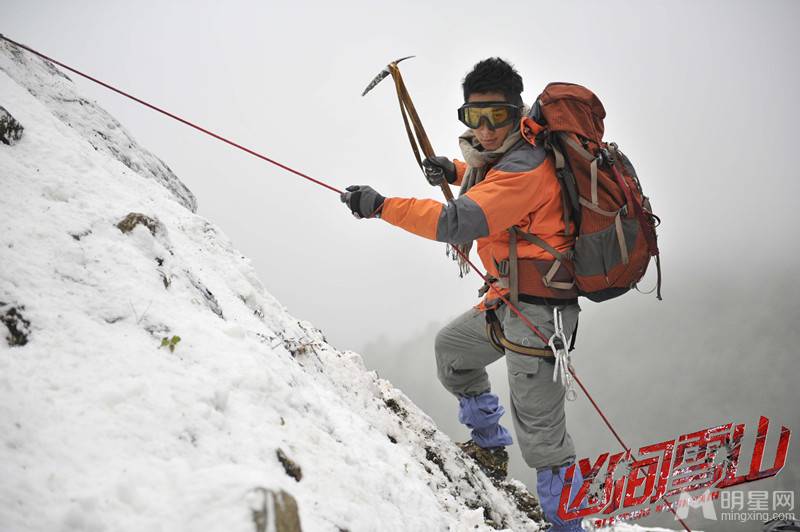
x=702 y=95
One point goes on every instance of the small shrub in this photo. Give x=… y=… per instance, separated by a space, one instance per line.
x=170 y=343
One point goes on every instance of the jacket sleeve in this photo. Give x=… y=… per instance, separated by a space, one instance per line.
x=511 y=190
x=460 y=221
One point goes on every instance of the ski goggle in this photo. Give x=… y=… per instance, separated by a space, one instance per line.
x=496 y=114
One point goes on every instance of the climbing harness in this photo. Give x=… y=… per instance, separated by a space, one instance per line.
x=565 y=368
x=496 y=336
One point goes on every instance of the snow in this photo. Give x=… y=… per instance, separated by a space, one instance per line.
x=103 y=428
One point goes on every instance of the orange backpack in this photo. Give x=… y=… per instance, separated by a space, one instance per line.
x=600 y=189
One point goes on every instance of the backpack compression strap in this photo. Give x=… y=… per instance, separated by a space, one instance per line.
x=547 y=279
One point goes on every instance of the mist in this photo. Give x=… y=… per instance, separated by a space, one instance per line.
x=701 y=95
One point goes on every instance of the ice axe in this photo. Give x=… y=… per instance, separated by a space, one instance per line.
x=407 y=110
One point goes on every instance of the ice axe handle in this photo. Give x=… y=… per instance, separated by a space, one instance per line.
x=448 y=194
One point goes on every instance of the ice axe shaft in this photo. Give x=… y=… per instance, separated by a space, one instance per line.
x=418 y=138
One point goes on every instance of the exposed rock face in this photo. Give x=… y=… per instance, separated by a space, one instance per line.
x=10 y=129
x=18 y=327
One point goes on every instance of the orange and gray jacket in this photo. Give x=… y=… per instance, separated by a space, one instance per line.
x=521 y=190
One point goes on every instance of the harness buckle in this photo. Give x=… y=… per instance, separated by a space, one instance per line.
x=486 y=285
x=503 y=267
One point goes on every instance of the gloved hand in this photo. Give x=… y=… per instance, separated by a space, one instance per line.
x=363 y=201
x=438 y=169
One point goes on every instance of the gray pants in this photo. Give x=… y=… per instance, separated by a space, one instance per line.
x=537 y=403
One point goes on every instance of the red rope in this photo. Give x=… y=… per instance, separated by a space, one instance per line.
x=174 y=117
x=329 y=187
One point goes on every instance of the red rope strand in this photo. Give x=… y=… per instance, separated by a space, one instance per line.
x=174 y=117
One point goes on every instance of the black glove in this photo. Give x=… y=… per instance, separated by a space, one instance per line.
x=438 y=169
x=363 y=201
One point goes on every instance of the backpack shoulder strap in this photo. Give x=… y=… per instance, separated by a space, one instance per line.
x=570 y=200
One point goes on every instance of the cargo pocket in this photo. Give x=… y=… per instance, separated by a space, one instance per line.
x=521 y=366
x=524 y=367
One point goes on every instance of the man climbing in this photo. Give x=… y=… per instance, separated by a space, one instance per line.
x=509 y=202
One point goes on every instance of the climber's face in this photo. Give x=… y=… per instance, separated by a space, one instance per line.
x=490 y=117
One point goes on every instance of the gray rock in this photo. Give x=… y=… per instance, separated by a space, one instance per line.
x=291 y=468
x=274 y=511
x=133 y=219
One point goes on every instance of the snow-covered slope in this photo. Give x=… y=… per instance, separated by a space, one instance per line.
x=103 y=428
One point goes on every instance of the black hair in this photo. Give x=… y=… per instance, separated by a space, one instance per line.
x=494 y=75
